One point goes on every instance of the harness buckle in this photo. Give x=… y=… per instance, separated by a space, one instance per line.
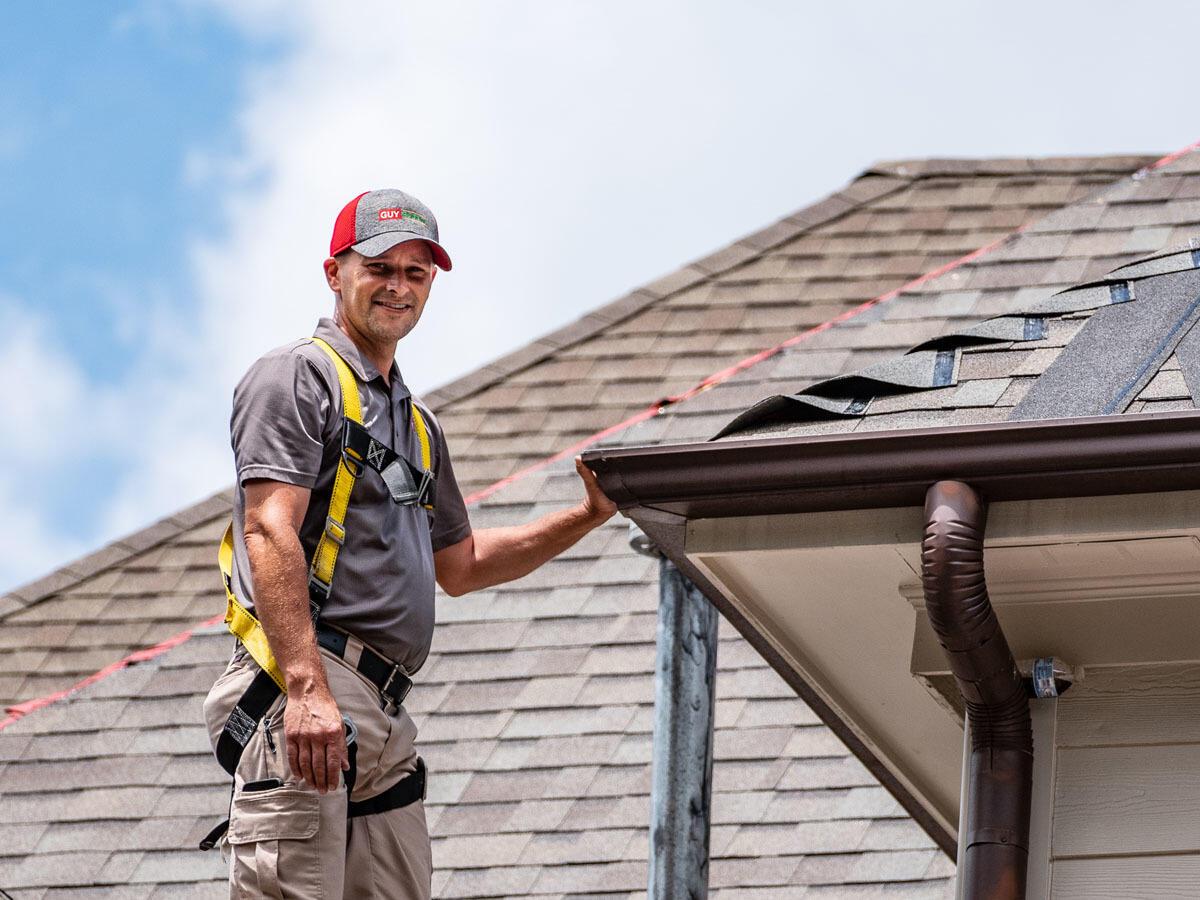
x=316 y=585
x=335 y=531
x=352 y=460
x=423 y=491
x=404 y=686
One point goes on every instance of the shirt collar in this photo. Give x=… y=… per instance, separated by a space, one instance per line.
x=362 y=367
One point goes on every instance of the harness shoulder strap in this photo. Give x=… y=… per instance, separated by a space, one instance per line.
x=242 y=623
x=422 y=429
x=320 y=573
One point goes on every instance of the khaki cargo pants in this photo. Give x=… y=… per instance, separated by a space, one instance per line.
x=290 y=841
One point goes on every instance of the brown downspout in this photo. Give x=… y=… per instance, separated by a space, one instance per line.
x=1000 y=780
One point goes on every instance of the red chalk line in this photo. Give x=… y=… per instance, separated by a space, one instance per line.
x=754 y=360
x=23 y=709
x=748 y=362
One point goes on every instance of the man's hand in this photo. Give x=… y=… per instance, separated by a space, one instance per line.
x=316 y=737
x=599 y=507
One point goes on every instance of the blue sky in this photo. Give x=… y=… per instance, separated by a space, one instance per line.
x=100 y=106
x=169 y=172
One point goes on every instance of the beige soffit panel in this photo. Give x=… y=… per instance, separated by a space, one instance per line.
x=1096 y=581
x=830 y=605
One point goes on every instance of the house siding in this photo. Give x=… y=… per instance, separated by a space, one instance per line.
x=1127 y=786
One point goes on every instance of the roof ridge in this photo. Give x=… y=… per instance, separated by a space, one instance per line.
x=117 y=552
x=751 y=246
x=932 y=167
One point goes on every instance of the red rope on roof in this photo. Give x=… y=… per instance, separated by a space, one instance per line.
x=23 y=709
x=1166 y=160
x=749 y=362
x=725 y=374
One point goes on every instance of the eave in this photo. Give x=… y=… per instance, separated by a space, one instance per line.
x=1094 y=456
x=666 y=489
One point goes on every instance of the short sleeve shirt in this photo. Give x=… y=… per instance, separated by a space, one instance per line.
x=286 y=426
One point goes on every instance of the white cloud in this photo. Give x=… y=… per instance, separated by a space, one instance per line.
x=560 y=147
x=160 y=427
x=571 y=152
x=45 y=409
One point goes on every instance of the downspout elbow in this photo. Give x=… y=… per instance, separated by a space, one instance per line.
x=1000 y=780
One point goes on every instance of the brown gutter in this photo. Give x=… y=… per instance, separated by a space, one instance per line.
x=1004 y=461
x=995 y=835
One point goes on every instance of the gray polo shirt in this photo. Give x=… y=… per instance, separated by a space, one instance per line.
x=286 y=426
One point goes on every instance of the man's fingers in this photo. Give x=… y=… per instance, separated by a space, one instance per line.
x=584 y=472
x=320 y=758
x=596 y=498
x=293 y=754
x=315 y=739
x=334 y=756
x=304 y=761
x=320 y=768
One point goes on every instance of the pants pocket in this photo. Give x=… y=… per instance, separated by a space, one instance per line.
x=274 y=843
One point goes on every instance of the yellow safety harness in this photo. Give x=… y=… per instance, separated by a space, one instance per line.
x=242 y=623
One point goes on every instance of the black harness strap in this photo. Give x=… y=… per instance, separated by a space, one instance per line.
x=213 y=837
x=244 y=719
x=407 y=484
x=408 y=789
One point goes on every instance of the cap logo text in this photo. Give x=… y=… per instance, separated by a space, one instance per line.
x=386 y=214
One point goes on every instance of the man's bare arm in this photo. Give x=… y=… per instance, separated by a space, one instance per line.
x=495 y=555
x=316 y=741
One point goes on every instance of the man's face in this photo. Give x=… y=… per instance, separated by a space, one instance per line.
x=380 y=298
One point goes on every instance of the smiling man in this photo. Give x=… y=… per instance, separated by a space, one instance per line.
x=346 y=512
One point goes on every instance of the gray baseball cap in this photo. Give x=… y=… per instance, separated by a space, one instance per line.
x=375 y=222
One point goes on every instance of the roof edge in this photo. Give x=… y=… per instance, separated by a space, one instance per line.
x=865 y=188
x=118 y=551
x=1092 y=456
x=1116 y=164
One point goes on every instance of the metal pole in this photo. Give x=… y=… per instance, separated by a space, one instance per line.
x=684 y=697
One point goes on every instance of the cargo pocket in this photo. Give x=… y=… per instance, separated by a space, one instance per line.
x=273 y=839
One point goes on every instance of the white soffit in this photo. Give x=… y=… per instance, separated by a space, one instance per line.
x=1096 y=581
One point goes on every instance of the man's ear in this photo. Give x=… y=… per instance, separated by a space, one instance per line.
x=333 y=275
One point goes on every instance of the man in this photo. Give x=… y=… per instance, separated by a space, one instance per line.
x=295 y=829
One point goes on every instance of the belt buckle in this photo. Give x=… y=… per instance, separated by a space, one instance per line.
x=386 y=688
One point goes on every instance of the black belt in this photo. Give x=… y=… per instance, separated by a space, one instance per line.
x=379 y=670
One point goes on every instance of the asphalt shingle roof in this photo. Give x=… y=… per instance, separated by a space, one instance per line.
x=535 y=706
x=1053 y=348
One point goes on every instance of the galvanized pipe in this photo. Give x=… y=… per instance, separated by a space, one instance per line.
x=1000 y=780
x=684 y=700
